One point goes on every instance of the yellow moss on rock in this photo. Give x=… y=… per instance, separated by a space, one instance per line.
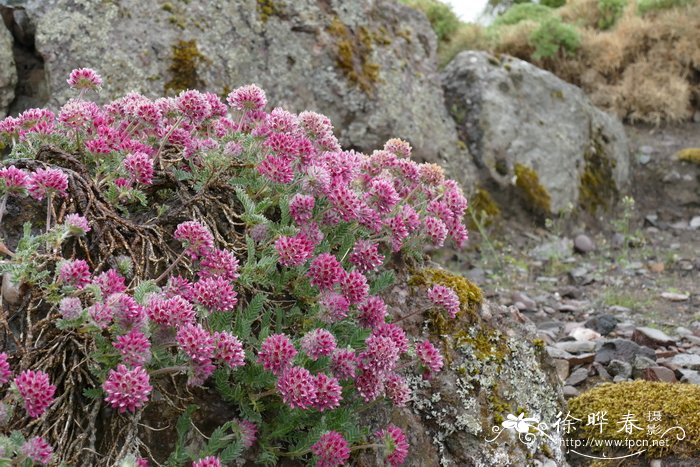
x=267 y=8
x=484 y=207
x=185 y=61
x=689 y=155
x=597 y=188
x=678 y=405
x=354 y=53
x=536 y=196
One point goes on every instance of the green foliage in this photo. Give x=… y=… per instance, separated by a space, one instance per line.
x=650 y=6
x=443 y=20
x=523 y=12
x=553 y=37
x=610 y=11
x=553 y=3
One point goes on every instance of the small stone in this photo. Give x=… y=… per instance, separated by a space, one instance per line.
x=694 y=223
x=602 y=372
x=644 y=159
x=583 y=244
x=646 y=149
x=684 y=360
x=659 y=373
x=581 y=359
x=652 y=337
x=680 y=225
x=672 y=176
x=525 y=302
x=603 y=324
x=652 y=219
x=640 y=362
x=675 y=297
x=577 y=377
x=560 y=248
x=620 y=369
x=584 y=334
x=570 y=391
x=619 y=379
x=620 y=309
x=557 y=353
x=681 y=331
x=656 y=268
x=10 y=290
x=695 y=340
x=562 y=368
x=622 y=349
x=576 y=346
x=665 y=353
x=573 y=306
x=688 y=376
x=618 y=240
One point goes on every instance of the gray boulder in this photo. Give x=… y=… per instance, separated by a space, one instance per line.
x=368 y=65
x=524 y=125
x=8 y=71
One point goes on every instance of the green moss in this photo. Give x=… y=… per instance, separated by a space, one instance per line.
x=354 y=53
x=689 y=155
x=535 y=195
x=186 y=59
x=167 y=6
x=597 y=188
x=484 y=208
x=539 y=344
x=487 y=344
x=678 y=404
x=267 y=8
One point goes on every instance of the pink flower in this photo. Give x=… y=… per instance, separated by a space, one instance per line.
x=383 y=194
x=196 y=342
x=110 y=282
x=70 y=308
x=430 y=358
x=297 y=387
x=354 y=286
x=48 y=181
x=459 y=235
x=219 y=263
x=141 y=462
x=38 y=450
x=75 y=272
x=301 y=208
x=78 y=114
x=365 y=256
x=293 y=251
x=126 y=312
x=397 y=390
x=276 y=353
x=344 y=363
x=380 y=356
x=84 y=78
x=369 y=384
x=127 y=389
x=134 y=347
x=248 y=431
x=276 y=168
x=398 y=147
x=196 y=238
x=229 y=349
x=174 y=311
x=215 y=294
x=178 y=285
x=436 y=230
x=194 y=105
x=317 y=343
x=36 y=390
x=316 y=180
x=328 y=392
x=247 y=98
x=76 y=225
x=211 y=461
x=395 y=445
x=431 y=174
x=345 y=201
x=13 y=180
x=395 y=333
x=280 y=121
x=371 y=312
x=446 y=298
x=399 y=232
x=331 y=449
x=5 y=372
x=139 y=165
x=334 y=307
x=101 y=314
x=200 y=373
x=325 y=271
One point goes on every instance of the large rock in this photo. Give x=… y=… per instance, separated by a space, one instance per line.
x=8 y=70
x=522 y=123
x=369 y=65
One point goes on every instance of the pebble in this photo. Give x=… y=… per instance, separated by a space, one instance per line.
x=557 y=353
x=659 y=373
x=562 y=368
x=685 y=360
x=603 y=324
x=652 y=219
x=640 y=362
x=577 y=377
x=688 y=376
x=570 y=391
x=584 y=334
x=621 y=369
x=602 y=372
x=675 y=297
x=694 y=223
x=583 y=244
x=652 y=337
x=644 y=159
x=525 y=302
x=646 y=149
x=622 y=349
x=576 y=346
x=580 y=359
x=10 y=290
x=617 y=240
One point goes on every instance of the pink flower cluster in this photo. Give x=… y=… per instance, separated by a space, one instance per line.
x=331 y=449
x=38 y=450
x=127 y=389
x=5 y=372
x=36 y=391
x=395 y=445
x=446 y=298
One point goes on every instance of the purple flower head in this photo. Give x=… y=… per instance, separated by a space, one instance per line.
x=293 y=251
x=398 y=147
x=248 y=98
x=436 y=230
x=430 y=358
x=276 y=353
x=325 y=271
x=219 y=263
x=70 y=308
x=301 y=208
x=444 y=297
x=380 y=356
x=369 y=384
x=126 y=312
x=76 y=225
x=395 y=333
x=229 y=349
x=365 y=256
x=13 y=180
x=196 y=342
x=110 y=282
x=78 y=114
x=328 y=392
x=127 y=389
x=84 y=78
x=139 y=165
x=38 y=450
x=395 y=445
x=297 y=388
x=210 y=461
x=5 y=371
x=194 y=105
x=196 y=238
x=277 y=168
x=74 y=272
x=215 y=294
x=354 y=286
x=331 y=449
x=134 y=347
x=318 y=343
x=371 y=312
x=397 y=390
x=48 y=181
x=36 y=390
x=248 y=431
x=174 y=311
x=344 y=363
x=334 y=307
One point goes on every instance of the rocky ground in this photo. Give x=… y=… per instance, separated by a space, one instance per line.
x=617 y=297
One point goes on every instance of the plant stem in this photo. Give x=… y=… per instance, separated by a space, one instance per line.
x=366 y=446
x=269 y=392
x=48 y=211
x=171 y=267
x=411 y=314
x=3 y=205
x=169 y=370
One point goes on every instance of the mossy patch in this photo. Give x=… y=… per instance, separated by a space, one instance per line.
x=470 y=295
x=484 y=208
x=597 y=188
x=266 y=9
x=185 y=62
x=689 y=155
x=354 y=53
x=675 y=404
x=536 y=197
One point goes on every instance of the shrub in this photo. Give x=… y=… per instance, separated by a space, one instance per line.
x=443 y=20
x=553 y=36
x=256 y=251
x=650 y=6
x=610 y=11
x=553 y=3
x=523 y=12
x=468 y=37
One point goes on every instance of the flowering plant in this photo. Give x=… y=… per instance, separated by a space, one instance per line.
x=199 y=244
